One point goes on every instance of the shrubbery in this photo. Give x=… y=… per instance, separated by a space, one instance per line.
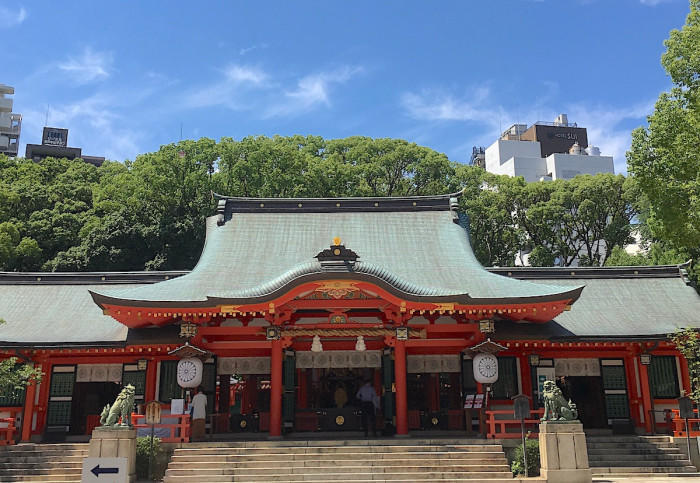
x=533 y=458
x=160 y=459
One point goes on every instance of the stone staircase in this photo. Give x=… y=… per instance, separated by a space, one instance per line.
x=636 y=456
x=361 y=460
x=42 y=462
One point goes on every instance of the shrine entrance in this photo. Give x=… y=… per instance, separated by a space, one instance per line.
x=327 y=398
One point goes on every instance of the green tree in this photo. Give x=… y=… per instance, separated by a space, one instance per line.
x=664 y=157
x=688 y=344
x=15 y=375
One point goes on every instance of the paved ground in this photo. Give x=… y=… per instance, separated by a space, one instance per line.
x=671 y=479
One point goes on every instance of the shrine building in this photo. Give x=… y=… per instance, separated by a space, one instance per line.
x=294 y=303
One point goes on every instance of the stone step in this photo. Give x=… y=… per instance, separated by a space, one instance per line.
x=306 y=470
x=341 y=449
x=22 y=465
x=627 y=456
x=335 y=456
x=649 y=463
x=341 y=442
x=411 y=479
x=396 y=477
x=53 y=477
x=636 y=470
x=387 y=462
x=627 y=439
x=631 y=445
x=641 y=451
x=29 y=459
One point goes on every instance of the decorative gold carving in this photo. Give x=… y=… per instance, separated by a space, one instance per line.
x=445 y=307
x=339 y=420
x=243 y=423
x=338 y=289
x=338 y=319
x=434 y=421
x=229 y=308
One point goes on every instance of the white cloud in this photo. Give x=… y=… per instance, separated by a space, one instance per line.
x=434 y=105
x=248 y=88
x=246 y=50
x=245 y=74
x=652 y=3
x=10 y=18
x=608 y=127
x=310 y=91
x=89 y=66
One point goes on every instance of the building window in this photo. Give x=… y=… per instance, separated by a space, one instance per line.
x=169 y=388
x=507 y=384
x=663 y=377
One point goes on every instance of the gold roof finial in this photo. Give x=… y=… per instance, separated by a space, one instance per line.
x=336 y=241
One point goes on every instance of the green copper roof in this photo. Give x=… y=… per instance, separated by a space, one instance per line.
x=419 y=253
x=55 y=309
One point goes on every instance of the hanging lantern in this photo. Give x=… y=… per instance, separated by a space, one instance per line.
x=485 y=368
x=189 y=372
x=360 y=344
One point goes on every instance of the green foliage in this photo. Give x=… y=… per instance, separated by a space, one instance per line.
x=160 y=459
x=15 y=376
x=149 y=214
x=688 y=343
x=664 y=157
x=533 y=458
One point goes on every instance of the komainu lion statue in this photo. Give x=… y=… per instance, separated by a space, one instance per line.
x=556 y=408
x=122 y=407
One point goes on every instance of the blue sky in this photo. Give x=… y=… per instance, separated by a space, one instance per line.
x=124 y=76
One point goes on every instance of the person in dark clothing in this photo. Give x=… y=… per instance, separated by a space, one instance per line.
x=369 y=403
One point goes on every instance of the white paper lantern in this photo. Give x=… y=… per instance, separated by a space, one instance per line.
x=485 y=368
x=189 y=372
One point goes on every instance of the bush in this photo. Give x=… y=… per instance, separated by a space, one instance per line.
x=533 y=458
x=160 y=459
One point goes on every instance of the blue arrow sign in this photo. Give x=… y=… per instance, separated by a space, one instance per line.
x=97 y=471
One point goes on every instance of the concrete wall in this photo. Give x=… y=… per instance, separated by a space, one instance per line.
x=566 y=166
x=502 y=150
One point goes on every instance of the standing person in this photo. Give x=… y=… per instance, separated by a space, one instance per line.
x=199 y=414
x=369 y=401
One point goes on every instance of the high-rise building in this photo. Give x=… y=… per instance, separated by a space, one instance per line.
x=54 y=143
x=546 y=151
x=10 y=123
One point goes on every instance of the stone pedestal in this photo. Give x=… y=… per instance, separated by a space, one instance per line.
x=563 y=453
x=107 y=442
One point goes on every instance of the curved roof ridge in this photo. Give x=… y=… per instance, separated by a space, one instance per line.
x=444 y=196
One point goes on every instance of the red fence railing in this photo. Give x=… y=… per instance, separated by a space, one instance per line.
x=498 y=427
x=178 y=432
x=678 y=424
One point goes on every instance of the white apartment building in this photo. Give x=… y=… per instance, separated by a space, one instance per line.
x=10 y=123
x=546 y=151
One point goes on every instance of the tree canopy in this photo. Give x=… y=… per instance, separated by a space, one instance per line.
x=149 y=214
x=664 y=157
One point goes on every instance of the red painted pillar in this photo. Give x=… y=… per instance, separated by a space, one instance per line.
x=276 y=389
x=632 y=390
x=151 y=380
x=42 y=408
x=28 y=411
x=646 y=395
x=400 y=375
x=685 y=376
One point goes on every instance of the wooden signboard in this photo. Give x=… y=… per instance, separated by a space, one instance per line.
x=478 y=401
x=153 y=412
